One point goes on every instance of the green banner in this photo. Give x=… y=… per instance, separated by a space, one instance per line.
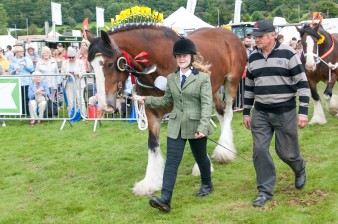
x=66 y=38
x=10 y=96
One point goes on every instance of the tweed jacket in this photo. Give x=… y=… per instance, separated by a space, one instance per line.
x=192 y=105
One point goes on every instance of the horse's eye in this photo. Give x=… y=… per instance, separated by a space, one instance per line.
x=101 y=63
x=110 y=65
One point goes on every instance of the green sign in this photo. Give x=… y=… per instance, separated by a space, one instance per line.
x=10 y=96
x=70 y=39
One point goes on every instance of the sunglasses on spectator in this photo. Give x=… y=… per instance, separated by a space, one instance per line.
x=71 y=57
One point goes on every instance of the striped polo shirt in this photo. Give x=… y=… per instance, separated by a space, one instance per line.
x=273 y=82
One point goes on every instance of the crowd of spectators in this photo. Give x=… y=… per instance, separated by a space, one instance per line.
x=40 y=68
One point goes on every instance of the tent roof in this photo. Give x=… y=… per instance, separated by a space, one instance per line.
x=50 y=34
x=290 y=31
x=182 y=20
x=6 y=40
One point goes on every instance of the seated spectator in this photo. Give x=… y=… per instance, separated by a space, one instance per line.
x=37 y=92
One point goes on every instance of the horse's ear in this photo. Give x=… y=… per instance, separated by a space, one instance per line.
x=298 y=28
x=105 y=37
x=316 y=26
x=90 y=36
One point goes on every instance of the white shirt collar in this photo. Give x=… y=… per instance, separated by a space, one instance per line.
x=187 y=73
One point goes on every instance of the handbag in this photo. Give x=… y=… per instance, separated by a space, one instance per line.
x=39 y=98
x=51 y=108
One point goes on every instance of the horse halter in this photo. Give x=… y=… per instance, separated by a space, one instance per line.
x=320 y=58
x=315 y=55
x=122 y=61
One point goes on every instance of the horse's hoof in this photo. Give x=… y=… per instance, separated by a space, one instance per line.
x=222 y=155
x=144 y=188
x=317 y=121
x=327 y=97
x=109 y=109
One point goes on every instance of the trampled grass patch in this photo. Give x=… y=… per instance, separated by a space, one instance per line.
x=80 y=176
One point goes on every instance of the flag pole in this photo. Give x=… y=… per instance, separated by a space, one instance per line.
x=53 y=28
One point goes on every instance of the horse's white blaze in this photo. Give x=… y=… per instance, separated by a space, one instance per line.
x=221 y=154
x=310 y=60
x=100 y=86
x=152 y=182
x=318 y=113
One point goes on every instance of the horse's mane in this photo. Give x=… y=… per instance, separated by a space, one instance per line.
x=97 y=45
x=143 y=26
x=309 y=30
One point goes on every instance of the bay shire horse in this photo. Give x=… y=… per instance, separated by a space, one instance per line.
x=220 y=48
x=320 y=58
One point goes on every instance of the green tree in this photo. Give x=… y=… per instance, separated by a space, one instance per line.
x=33 y=29
x=3 y=20
x=257 y=15
x=327 y=8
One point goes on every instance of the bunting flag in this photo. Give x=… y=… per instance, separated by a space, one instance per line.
x=191 y=5
x=56 y=13
x=99 y=17
x=84 y=27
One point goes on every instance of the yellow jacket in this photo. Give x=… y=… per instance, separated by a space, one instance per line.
x=4 y=63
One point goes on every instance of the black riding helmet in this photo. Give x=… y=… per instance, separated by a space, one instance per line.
x=184 y=46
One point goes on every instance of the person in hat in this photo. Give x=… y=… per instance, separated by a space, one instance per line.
x=34 y=56
x=275 y=76
x=189 y=91
x=22 y=66
x=73 y=83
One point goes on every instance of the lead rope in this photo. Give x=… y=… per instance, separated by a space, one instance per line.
x=140 y=113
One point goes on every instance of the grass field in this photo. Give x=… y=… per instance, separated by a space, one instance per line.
x=80 y=176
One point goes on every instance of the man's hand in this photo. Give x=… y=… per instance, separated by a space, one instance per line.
x=302 y=121
x=246 y=122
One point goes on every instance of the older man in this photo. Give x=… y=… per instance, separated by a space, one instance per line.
x=275 y=76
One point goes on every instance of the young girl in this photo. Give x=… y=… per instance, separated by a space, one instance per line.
x=189 y=91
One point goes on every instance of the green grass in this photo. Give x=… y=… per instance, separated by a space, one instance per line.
x=80 y=176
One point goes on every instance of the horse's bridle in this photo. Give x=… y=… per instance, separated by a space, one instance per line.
x=321 y=58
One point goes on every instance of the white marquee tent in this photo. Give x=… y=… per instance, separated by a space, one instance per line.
x=330 y=25
x=183 y=21
x=6 y=40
